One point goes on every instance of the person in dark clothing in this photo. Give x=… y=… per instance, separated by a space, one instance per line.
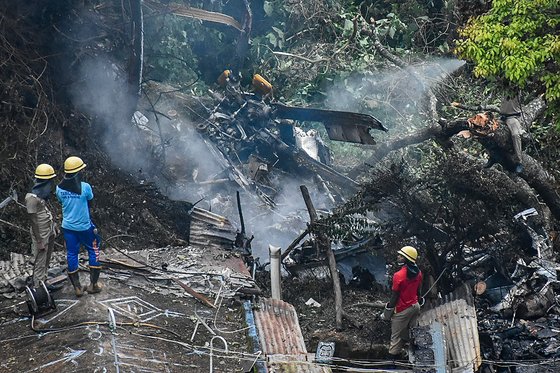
x=511 y=115
x=403 y=308
x=78 y=229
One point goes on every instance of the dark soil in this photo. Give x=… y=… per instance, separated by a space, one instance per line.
x=363 y=334
x=39 y=125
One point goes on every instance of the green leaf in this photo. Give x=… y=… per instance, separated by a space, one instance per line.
x=268 y=8
x=272 y=39
x=279 y=32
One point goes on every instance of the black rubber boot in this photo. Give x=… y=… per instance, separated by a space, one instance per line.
x=75 y=280
x=94 y=286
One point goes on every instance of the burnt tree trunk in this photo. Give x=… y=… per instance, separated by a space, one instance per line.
x=499 y=142
x=136 y=59
x=325 y=243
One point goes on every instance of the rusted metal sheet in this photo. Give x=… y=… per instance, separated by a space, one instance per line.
x=297 y=367
x=279 y=331
x=457 y=313
x=281 y=340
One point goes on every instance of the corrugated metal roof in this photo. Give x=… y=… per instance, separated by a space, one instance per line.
x=297 y=367
x=281 y=339
x=279 y=331
x=457 y=313
x=209 y=229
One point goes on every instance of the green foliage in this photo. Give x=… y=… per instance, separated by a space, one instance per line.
x=517 y=42
x=168 y=52
x=423 y=24
x=183 y=51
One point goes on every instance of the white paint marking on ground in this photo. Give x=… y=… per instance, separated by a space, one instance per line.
x=71 y=303
x=68 y=357
x=137 y=309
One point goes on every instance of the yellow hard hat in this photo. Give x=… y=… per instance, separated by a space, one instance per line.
x=44 y=171
x=73 y=165
x=261 y=85
x=409 y=253
x=224 y=76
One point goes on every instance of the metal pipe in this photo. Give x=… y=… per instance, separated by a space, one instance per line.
x=212 y=350
x=275 y=272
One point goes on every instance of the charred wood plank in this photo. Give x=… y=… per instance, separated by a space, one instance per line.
x=136 y=60
x=294 y=243
x=196 y=295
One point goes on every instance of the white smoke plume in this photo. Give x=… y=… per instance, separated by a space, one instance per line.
x=138 y=149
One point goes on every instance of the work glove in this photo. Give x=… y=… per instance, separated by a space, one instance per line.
x=387 y=313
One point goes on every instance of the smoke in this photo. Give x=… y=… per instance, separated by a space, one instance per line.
x=392 y=96
x=101 y=91
x=143 y=145
x=166 y=141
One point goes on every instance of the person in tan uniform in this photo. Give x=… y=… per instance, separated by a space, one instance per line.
x=43 y=226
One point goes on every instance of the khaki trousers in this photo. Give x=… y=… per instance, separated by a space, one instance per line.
x=516 y=131
x=42 y=259
x=400 y=324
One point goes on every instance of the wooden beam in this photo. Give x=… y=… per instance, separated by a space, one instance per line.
x=324 y=242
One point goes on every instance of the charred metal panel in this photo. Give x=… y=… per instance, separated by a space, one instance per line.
x=340 y=125
x=349 y=133
x=429 y=349
x=456 y=312
x=209 y=229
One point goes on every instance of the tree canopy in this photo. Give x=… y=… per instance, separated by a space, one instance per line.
x=517 y=42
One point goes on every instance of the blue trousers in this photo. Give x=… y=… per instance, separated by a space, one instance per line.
x=74 y=239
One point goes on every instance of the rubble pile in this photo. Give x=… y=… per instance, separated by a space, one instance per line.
x=16 y=273
x=253 y=139
x=519 y=316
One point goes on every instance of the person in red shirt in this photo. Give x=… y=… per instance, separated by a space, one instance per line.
x=403 y=308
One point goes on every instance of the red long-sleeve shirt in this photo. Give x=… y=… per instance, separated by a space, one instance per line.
x=407 y=288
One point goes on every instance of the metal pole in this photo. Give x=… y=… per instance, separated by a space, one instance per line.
x=275 y=271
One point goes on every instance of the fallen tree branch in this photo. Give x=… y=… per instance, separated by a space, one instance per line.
x=477 y=108
x=190 y=12
x=294 y=243
x=371 y=30
x=299 y=57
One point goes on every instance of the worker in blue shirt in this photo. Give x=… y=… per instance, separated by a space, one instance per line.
x=77 y=227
